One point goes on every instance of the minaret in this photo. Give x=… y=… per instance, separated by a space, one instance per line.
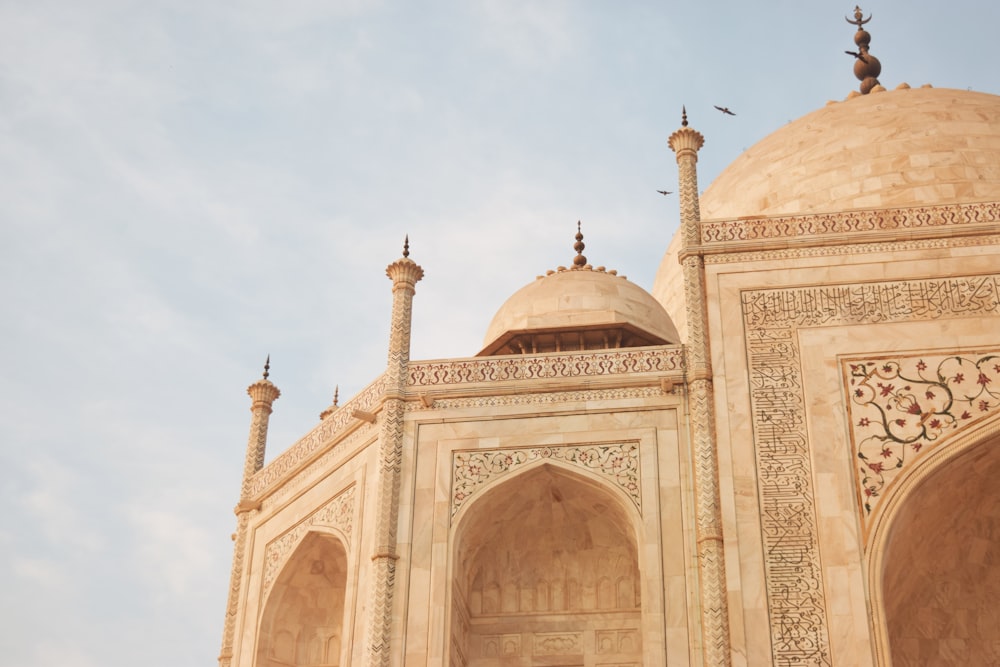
x=686 y=142
x=866 y=66
x=405 y=274
x=263 y=393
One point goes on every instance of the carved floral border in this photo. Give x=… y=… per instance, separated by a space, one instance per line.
x=618 y=462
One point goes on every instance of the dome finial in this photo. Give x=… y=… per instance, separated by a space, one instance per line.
x=267 y=367
x=866 y=66
x=406 y=246
x=684 y=116
x=579 y=261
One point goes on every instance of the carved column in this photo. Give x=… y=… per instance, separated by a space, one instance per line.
x=685 y=142
x=405 y=274
x=263 y=394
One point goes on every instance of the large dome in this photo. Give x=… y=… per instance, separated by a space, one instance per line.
x=908 y=147
x=576 y=309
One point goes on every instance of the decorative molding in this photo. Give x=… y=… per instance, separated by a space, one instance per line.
x=631 y=362
x=618 y=462
x=772 y=317
x=501 y=646
x=557 y=643
x=848 y=223
x=338 y=513
x=288 y=462
x=544 y=398
x=901 y=408
x=852 y=249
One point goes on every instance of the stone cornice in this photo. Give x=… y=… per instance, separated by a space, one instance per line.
x=848 y=226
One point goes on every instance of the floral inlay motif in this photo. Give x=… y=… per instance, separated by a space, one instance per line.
x=338 y=513
x=619 y=462
x=901 y=408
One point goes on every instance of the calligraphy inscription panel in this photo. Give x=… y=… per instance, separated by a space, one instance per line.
x=793 y=573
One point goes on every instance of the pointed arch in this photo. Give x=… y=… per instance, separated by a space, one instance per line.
x=303 y=619
x=556 y=544
x=934 y=563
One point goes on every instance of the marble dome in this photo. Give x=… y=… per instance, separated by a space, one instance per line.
x=575 y=309
x=908 y=147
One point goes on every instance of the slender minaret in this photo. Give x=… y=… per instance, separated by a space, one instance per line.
x=405 y=274
x=263 y=394
x=686 y=142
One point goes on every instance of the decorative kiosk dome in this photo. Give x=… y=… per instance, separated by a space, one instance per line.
x=908 y=147
x=578 y=308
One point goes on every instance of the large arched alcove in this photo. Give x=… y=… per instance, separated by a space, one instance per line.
x=303 y=619
x=546 y=572
x=941 y=565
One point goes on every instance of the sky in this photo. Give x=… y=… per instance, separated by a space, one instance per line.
x=187 y=187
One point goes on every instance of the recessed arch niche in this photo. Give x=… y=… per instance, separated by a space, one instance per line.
x=303 y=619
x=940 y=564
x=546 y=572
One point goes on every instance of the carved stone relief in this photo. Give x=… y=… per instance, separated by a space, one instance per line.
x=339 y=513
x=619 y=462
x=794 y=582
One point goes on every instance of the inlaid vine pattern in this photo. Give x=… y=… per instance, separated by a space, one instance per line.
x=901 y=408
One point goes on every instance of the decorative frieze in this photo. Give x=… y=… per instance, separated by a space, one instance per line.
x=322 y=435
x=794 y=583
x=618 y=462
x=848 y=223
x=617 y=393
x=557 y=643
x=631 y=362
x=901 y=408
x=338 y=513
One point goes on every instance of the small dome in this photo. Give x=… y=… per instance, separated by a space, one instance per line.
x=578 y=309
x=907 y=147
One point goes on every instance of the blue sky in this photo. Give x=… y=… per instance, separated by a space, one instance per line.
x=190 y=186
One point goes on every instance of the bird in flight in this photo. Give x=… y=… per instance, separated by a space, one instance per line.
x=665 y=192
x=724 y=110
x=859 y=56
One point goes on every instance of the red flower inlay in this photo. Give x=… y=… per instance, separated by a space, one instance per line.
x=916 y=446
x=886 y=388
x=966 y=415
x=959 y=377
x=900 y=422
x=876 y=467
x=864 y=421
x=921 y=365
x=914 y=409
x=935 y=423
x=929 y=394
x=983 y=379
x=984 y=406
x=886 y=452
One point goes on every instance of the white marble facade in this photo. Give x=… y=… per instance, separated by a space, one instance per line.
x=834 y=296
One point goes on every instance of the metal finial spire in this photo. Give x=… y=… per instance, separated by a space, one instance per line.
x=866 y=66
x=579 y=261
x=406 y=246
x=684 y=116
x=267 y=367
x=336 y=394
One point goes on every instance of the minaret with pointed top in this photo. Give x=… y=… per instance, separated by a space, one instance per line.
x=264 y=393
x=866 y=66
x=686 y=143
x=333 y=406
x=405 y=274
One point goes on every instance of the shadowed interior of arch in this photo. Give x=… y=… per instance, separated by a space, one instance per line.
x=546 y=565
x=303 y=618
x=941 y=569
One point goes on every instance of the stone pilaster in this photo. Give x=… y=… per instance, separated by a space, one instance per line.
x=405 y=274
x=263 y=393
x=686 y=142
